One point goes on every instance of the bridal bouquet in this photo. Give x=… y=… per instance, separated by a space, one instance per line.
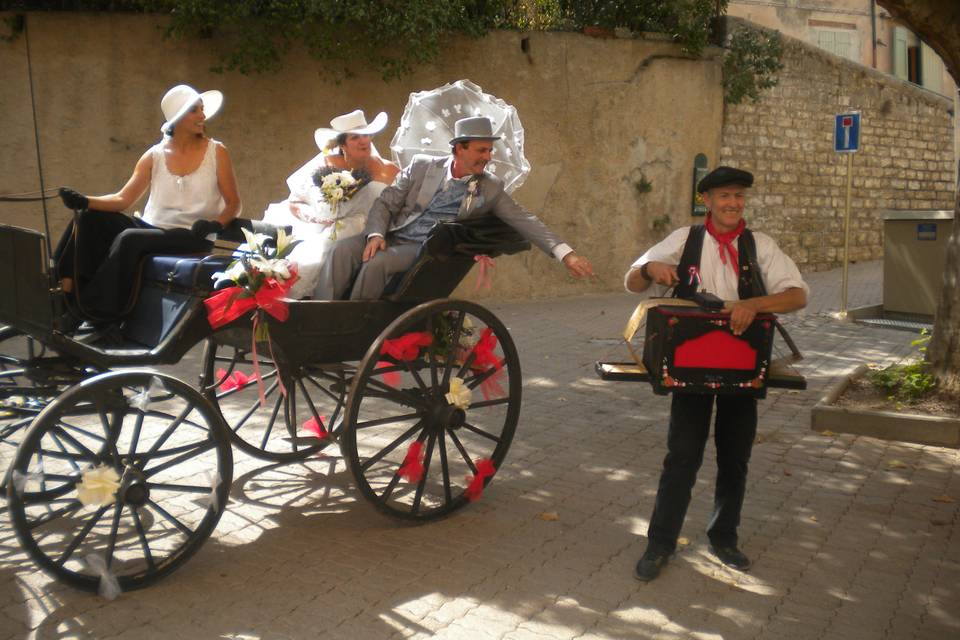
x=337 y=186
x=261 y=277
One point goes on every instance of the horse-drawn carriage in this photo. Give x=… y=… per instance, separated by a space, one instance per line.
x=121 y=474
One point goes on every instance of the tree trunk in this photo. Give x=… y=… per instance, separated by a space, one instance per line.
x=937 y=22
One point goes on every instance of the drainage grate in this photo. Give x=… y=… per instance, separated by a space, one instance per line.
x=904 y=325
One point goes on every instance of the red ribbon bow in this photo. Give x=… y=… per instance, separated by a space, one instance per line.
x=391 y=378
x=236 y=380
x=315 y=426
x=484 y=280
x=407 y=346
x=229 y=304
x=485 y=469
x=412 y=467
x=484 y=359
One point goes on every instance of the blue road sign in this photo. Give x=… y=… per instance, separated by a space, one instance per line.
x=846 y=133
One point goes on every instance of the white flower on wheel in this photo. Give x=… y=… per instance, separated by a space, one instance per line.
x=98 y=486
x=459 y=394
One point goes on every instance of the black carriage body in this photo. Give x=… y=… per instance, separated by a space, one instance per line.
x=691 y=351
x=168 y=317
x=451 y=407
x=25 y=301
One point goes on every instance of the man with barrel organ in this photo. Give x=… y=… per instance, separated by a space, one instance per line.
x=720 y=257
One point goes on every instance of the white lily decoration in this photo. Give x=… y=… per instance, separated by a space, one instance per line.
x=235 y=271
x=283 y=240
x=460 y=394
x=255 y=240
x=271 y=267
x=98 y=486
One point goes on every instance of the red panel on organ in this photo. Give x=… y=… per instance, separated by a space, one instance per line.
x=715 y=350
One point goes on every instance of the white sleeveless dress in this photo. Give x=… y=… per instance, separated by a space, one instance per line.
x=179 y=201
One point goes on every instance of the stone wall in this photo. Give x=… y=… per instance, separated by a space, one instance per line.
x=786 y=139
x=598 y=115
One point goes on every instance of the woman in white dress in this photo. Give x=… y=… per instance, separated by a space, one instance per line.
x=192 y=195
x=345 y=147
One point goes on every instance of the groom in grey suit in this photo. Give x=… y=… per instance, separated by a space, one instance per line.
x=428 y=191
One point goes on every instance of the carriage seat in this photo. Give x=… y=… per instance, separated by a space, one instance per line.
x=447 y=256
x=169 y=287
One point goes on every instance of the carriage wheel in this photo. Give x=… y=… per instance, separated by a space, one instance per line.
x=120 y=480
x=23 y=394
x=432 y=409
x=286 y=427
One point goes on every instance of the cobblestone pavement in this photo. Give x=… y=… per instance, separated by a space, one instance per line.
x=851 y=537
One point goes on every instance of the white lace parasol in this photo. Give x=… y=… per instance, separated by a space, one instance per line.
x=427 y=127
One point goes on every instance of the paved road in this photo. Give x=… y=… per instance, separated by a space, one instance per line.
x=851 y=537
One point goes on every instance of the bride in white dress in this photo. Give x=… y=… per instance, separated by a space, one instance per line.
x=345 y=147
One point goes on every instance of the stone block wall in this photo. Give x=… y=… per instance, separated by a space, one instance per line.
x=599 y=116
x=906 y=158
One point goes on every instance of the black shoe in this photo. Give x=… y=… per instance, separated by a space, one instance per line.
x=732 y=557
x=650 y=564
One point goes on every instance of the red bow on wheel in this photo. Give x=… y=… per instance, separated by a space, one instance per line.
x=485 y=469
x=407 y=347
x=484 y=359
x=412 y=467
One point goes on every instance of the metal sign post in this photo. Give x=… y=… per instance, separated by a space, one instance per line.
x=846 y=139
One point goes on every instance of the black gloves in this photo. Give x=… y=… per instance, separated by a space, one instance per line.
x=203 y=228
x=73 y=200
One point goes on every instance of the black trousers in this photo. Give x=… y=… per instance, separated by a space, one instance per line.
x=102 y=254
x=734 y=432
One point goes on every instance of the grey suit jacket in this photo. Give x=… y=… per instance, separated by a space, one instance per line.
x=408 y=197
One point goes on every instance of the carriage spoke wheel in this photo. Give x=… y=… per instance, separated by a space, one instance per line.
x=432 y=409
x=26 y=387
x=120 y=480
x=286 y=426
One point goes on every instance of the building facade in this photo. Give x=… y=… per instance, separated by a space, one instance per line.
x=858 y=30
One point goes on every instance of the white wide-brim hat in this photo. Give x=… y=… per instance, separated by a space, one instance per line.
x=178 y=100
x=353 y=122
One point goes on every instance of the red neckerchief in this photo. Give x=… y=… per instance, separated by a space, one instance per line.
x=725 y=240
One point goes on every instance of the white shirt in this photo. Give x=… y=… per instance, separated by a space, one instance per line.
x=179 y=201
x=779 y=272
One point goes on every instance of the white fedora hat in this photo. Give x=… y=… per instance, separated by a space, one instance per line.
x=178 y=100
x=353 y=122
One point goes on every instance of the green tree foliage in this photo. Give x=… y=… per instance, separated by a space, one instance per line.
x=689 y=22
x=388 y=36
x=391 y=37
x=751 y=64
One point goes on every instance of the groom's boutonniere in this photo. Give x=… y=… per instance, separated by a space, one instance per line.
x=472 y=187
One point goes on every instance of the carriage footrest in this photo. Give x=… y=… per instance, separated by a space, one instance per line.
x=782 y=374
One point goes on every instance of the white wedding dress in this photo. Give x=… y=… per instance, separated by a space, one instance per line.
x=314 y=225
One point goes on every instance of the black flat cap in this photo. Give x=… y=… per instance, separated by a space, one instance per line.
x=723 y=176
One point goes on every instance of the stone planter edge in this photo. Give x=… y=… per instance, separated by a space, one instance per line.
x=887 y=425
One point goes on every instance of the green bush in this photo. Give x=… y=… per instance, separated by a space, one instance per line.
x=908 y=383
